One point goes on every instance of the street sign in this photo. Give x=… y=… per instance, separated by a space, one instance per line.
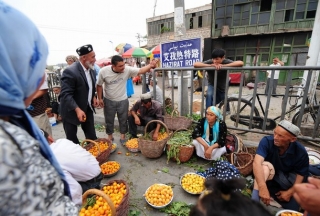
x=183 y=53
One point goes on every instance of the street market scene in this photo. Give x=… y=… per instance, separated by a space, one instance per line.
x=211 y=109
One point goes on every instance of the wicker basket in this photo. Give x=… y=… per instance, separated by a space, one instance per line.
x=149 y=148
x=103 y=195
x=237 y=142
x=185 y=153
x=251 y=149
x=243 y=161
x=123 y=208
x=185 y=150
x=102 y=156
x=175 y=123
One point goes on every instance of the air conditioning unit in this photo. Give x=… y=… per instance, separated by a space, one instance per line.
x=225 y=31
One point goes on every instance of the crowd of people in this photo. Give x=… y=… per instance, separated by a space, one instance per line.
x=41 y=176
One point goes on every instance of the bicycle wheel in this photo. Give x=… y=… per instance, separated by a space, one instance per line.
x=245 y=109
x=309 y=117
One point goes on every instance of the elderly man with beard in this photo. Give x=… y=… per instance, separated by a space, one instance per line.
x=77 y=97
x=281 y=163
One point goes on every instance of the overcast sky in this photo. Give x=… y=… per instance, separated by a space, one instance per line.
x=68 y=24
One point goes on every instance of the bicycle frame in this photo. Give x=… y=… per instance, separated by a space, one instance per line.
x=292 y=108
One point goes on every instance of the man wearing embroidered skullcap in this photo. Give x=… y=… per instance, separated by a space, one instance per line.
x=77 y=97
x=144 y=111
x=115 y=99
x=280 y=163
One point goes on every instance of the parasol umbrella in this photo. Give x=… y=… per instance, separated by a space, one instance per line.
x=156 y=49
x=154 y=52
x=135 y=52
x=123 y=47
x=103 y=62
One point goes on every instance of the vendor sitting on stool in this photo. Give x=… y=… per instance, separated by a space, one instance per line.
x=81 y=168
x=144 y=111
x=210 y=135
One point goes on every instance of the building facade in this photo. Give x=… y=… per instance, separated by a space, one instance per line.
x=257 y=31
x=197 y=20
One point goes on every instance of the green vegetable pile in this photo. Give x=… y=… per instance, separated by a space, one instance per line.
x=179 y=138
x=177 y=209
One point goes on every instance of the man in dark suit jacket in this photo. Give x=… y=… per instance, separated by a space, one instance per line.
x=77 y=97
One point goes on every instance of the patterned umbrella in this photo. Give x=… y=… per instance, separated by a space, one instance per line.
x=123 y=47
x=154 y=52
x=156 y=49
x=135 y=52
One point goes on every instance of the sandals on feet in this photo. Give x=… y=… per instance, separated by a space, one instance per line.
x=123 y=141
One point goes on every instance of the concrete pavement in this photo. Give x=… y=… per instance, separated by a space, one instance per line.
x=140 y=172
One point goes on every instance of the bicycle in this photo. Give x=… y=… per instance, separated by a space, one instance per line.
x=241 y=119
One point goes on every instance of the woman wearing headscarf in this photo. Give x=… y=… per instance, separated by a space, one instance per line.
x=32 y=182
x=210 y=135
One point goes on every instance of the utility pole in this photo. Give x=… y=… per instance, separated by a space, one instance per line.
x=140 y=38
x=154 y=8
x=313 y=53
x=179 y=33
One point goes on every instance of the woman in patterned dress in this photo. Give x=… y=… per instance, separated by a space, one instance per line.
x=32 y=182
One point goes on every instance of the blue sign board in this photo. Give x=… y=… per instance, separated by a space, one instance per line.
x=182 y=53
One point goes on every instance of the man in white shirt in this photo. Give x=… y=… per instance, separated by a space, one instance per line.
x=114 y=99
x=159 y=93
x=276 y=62
x=80 y=167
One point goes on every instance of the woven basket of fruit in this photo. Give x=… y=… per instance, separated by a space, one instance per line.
x=133 y=145
x=150 y=148
x=110 y=168
x=175 y=121
x=99 y=148
x=192 y=183
x=159 y=195
x=179 y=146
x=118 y=191
x=104 y=206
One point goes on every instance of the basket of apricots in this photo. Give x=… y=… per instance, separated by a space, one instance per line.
x=154 y=148
x=159 y=195
x=110 y=168
x=192 y=183
x=100 y=148
x=98 y=203
x=118 y=191
x=133 y=145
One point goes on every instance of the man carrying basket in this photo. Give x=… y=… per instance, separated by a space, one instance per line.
x=144 y=111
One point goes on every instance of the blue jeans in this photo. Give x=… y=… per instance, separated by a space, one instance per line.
x=209 y=97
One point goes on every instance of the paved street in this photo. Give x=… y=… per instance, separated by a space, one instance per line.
x=140 y=172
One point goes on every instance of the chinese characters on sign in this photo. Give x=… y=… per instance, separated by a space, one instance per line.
x=182 y=53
